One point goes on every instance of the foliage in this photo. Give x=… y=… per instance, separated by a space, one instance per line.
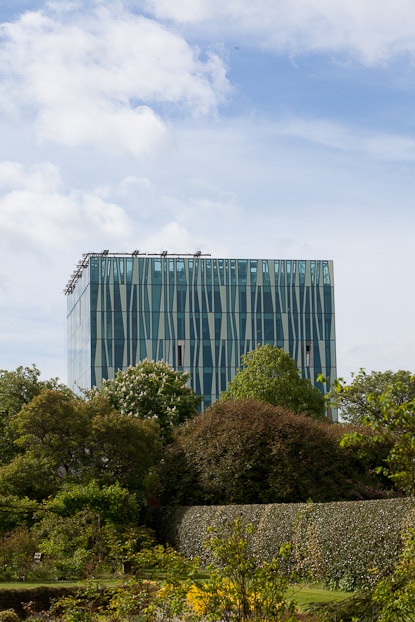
x=85 y=605
x=352 y=543
x=361 y=401
x=391 y=599
x=239 y=586
x=71 y=545
x=29 y=476
x=88 y=528
x=157 y=592
x=9 y=615
x=394 y=423
x=53 y=427
x=248 y=452
x=62 y=438
x=18 y=388
x=17 y=549
x=121 y=449
x=15 y=511
x=171 y=575
x=356 y=608
x=112 y=503
x=153 y=390
x=268 y=374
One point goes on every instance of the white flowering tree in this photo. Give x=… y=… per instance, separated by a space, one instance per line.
x=153 y=390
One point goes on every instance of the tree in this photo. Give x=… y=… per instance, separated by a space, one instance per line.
x=268 y=374
x=83 y=526
x=17 y=389
x=17 y=549
x=15 y=511
x=394 y=424
x=249 y=452
x=62 y=438
x=153 y=390
x=53 y=425
x=360 y=401
x=122 y=449
x=113 y=504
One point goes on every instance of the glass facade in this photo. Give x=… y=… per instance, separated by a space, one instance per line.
x=199 y=314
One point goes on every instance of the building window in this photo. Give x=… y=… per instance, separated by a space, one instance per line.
x=180 y=353
x=308 y=354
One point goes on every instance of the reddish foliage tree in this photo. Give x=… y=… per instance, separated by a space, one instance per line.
x=250 y=452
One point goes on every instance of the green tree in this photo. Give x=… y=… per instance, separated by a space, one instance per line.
x=62 y=438
x=29 y=476
x=18 y=388
x=17 y=549
x=268 y=374
x=71 y=545
x=153 y=390
x=361 y=400
x=88 y=527
x=393 y=425
x=122 y=449
x=15 y=511
x=113 y=503
x=249 y=452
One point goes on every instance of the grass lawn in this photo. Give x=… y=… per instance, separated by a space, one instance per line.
x=303 y=595
x=21 y=585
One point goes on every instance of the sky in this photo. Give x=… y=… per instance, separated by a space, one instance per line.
x=248 y=128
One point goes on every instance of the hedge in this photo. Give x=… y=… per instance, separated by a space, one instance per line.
x=345 y=545
x=40 y=598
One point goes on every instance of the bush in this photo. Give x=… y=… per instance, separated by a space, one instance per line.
x=249 y=452
x=240 y=586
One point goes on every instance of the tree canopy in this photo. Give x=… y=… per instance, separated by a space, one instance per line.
x=17 y=388
x=62 y=438
x=268 y=374
x=247 y=451
x=153 y=390
x=362 y=399
x=392 y=421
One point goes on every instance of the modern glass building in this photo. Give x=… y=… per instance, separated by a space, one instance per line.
x=198 y=313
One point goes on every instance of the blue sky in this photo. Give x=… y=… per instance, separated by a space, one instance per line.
x=251 y=128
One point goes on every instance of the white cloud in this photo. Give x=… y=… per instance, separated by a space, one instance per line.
x=37 y=215
x=371 y=30
x=98 y=77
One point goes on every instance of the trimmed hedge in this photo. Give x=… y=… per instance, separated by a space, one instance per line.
x=346 y=544
x=40 y=598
